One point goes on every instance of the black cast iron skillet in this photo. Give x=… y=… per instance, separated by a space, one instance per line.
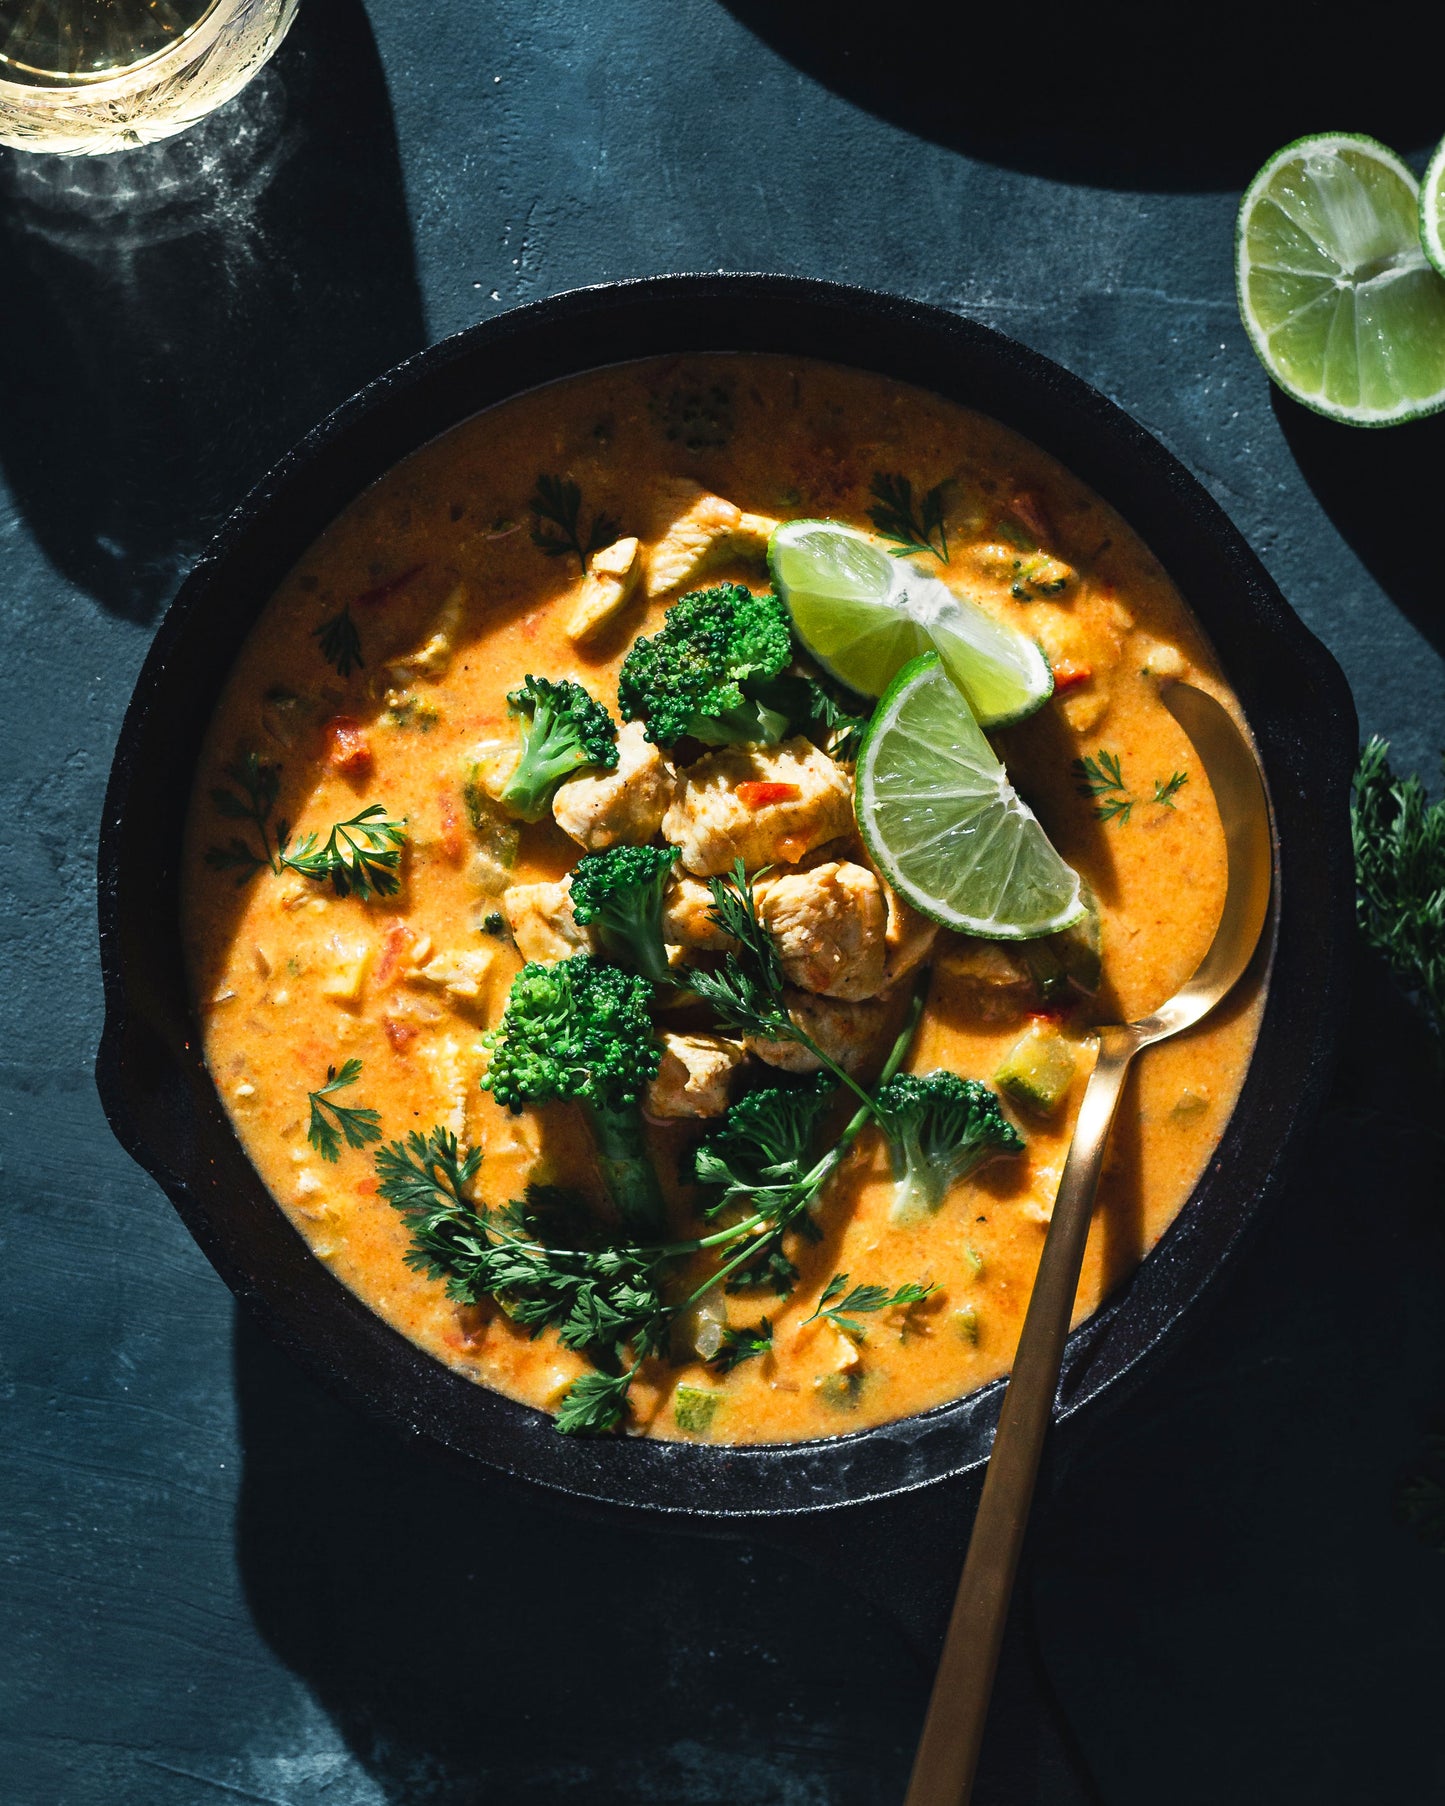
x=165 y=1110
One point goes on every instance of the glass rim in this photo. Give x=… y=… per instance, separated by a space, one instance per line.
x=100 y=83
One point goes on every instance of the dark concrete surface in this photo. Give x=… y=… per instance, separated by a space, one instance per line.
x=217 y=1584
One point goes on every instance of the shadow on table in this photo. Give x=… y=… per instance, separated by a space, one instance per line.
x=1382 y=491
x=173 y=318
x=474 y=1643
x=1225 y=1598
x=1119 y=97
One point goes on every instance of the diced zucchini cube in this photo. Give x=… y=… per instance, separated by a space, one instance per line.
x=840 y=1389
x=965 y=1322
x=1039 y=1069
x=694 y=1407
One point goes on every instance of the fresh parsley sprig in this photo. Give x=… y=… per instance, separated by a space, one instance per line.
x=251 y=797
x=892 y=515
x=557 y=501
x=340 y=642
x=742 y=1342
x=1399 y=842
x=604 y=1299
x=361 y=855
x=1102 y=778
x=838 y=1309
x=330 y=1121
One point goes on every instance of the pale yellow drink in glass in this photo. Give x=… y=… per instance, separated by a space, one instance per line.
x=87 y=76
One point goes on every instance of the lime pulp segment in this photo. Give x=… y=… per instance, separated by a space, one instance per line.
x=1335 y=291
x=863 y=615
x=945 y=825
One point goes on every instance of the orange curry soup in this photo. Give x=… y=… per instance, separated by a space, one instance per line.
x=452 y=603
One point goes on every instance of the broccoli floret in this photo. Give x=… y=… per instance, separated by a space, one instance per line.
x=698 y=675
x=939 y=1128
x=620 y=890
x=580 y=1029
x=562 y=729
x=761 y=1152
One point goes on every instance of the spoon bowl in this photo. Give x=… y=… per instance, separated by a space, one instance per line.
x=947 y=1756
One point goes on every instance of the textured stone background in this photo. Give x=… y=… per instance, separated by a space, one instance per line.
x=218 y=1584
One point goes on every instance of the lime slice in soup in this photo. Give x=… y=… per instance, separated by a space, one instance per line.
x=864 y=615
x=945 y=825
x=1335 y=291
x=1432 y=209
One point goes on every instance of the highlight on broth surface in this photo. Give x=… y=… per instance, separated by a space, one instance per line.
x=543 y=969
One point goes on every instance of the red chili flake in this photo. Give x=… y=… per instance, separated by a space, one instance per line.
x=383 y=592
x=396 y=938
x=349 y=750
x=452 y=844
x=1067 y=674
x=757 y=795
x=400 y=1034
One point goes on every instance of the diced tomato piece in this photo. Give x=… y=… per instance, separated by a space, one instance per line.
x=1050 y=1013
x=392 y=945
x=383 y=592
x=1067 y=674
x=452 y=844
x=757 y=795
x=348 y=748
x=400 y=1034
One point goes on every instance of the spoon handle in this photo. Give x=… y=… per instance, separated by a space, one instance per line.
x=943 y=1769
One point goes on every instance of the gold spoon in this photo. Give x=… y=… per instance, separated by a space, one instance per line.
x=943 y=1769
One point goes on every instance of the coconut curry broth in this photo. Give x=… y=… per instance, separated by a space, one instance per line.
x=452 y=601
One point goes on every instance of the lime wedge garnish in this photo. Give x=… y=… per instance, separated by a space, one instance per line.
x=1432 y=209
x=864 y=615
x=942 y=820
x=1334 y=289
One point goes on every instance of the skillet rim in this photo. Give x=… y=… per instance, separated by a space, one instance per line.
x=155 y=1091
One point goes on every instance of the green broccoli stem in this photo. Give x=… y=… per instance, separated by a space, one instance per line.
x=627 y=1169
x=643 y=952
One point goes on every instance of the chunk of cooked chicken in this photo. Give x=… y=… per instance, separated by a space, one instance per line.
x=687 y=917
x=908 y=939
x=846 y=1032
x=599 y=809
x=988 y=974
x=542 y=923
x=829 y=925
x=432 y=658
x=760 y=804
x=693 y=1077
x=461 y=973
x=704 y=532
x=613 y=575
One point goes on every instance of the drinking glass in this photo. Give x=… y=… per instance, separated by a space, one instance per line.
x=85 y=76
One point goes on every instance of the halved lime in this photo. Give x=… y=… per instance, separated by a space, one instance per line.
x=1432 y=209
x=945 y=825
x=1335 y=291
x=864 y=615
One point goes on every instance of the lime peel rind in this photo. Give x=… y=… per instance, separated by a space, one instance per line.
x=1432 y=209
